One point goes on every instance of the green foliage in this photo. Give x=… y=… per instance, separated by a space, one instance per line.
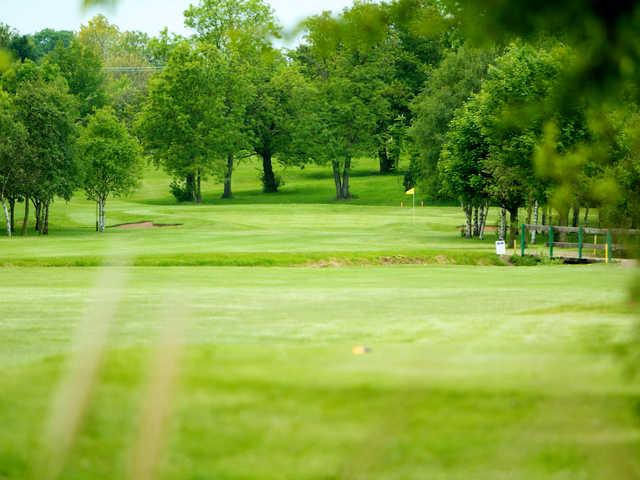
x=456 y=78
x=48 y=112
x=351 y=73
x=194 y=118
x=461 y=160
x=490 y=148
x=13 y=151
x=20 y=47
x=512 y=117
x=108 y=156
x=48 y=39
x=223 y=23
x=82 y=69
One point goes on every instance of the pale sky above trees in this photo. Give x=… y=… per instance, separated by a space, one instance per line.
x=150 y=16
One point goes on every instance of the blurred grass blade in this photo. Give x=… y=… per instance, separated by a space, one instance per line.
x=156 y=409
x=71 y=401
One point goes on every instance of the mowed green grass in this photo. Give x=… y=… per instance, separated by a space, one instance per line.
x=476 y=372
x=302 y=222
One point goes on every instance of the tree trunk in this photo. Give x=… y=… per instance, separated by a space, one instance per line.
x=513 y=224
x=269 y=184
x=12 y=211
x=386 y=162
x=337 y=178
x=576 y=216
x=38 y=207
x=227 y=178
x=483 y=220
x=45 y=220
x=7 y=216
x=346 y=194
x=503 y=224
x=536 y=213
x=190 y=185
x=476 y=222
x=563 y=220
x=25 y=220
x=468 y=214
x=100 y=216
x=198 y=188
x=586 y=217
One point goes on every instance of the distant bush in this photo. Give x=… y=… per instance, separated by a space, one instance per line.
x=181 y=191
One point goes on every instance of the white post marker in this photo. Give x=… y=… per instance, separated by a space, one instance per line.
x=501 y=247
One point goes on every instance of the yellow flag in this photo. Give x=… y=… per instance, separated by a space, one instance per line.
x=411 y=192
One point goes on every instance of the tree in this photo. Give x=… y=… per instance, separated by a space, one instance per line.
x=408 y=57
x=19 y=46
x=48 y=39
x=100 y=36
x=460 y=166
x=513 y=116
x=127 y=58
x=193 y=121
x=13 y=146
x=174 y=121
x=226 y=22
x=241 y=32
x=109 y=160
x=279 y=116
x=452 y=83
x=349 y=106
x=82 y=69
x=48 y=112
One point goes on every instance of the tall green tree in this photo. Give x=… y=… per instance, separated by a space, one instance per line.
x=194 y=121
x=348 y=85
x=13 y=148
x=82 y=68
x=109 y=160
x=224 y=23
x=449 y=86
x=513 y=116
x=49 y=113
x=175 y=120
x=460 y=166
x=47 y=39
x=241 y=31
x=279 y=116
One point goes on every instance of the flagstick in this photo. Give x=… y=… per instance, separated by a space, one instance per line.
x=413 y=214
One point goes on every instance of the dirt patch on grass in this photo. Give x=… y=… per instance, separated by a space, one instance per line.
x=143 y=225
x=381 y=260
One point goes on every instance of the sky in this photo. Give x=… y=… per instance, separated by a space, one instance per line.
x=29 y=16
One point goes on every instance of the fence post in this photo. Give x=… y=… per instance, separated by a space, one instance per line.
x=523 y=240
x=551 y=241
x=609 y=246
x=580 y=242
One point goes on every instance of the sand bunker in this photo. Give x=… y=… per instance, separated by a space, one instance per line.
x=128 y=226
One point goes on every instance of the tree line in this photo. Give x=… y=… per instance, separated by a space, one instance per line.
x=505 y=122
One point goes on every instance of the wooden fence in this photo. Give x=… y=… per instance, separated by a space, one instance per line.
x=607 y=245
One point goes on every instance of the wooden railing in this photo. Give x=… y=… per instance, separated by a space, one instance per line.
x=608 y=246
